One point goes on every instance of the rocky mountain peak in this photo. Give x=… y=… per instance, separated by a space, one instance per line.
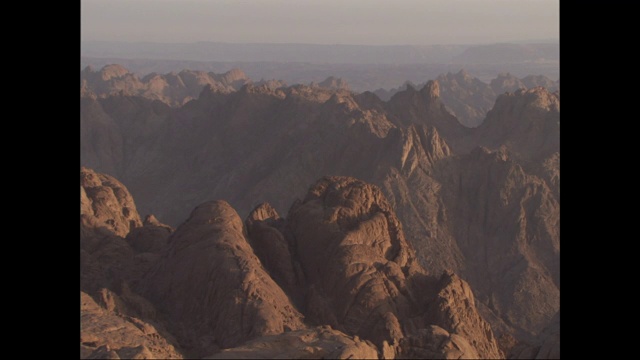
x=351 y=246
x=233 y=76
x=272 y=84
x=506 y=82
x=530 y=101
x=151 y=220
x=106 y=204
x=263 y=212
x=539 y=114
x=343 y=100
x=251 y=91
x=213 y=286
x=540 y=98
x=463 y=74
x=215 y=214
x=334 y=83
x=531 y=81
x=431 y=89
x=113 y=71
x=208 y=92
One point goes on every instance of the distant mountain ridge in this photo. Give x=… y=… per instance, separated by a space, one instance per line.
x=466 y=97
x=174 y=89
x=361 y=77
x=469 y=98
x=318 y=53
x=365 y=68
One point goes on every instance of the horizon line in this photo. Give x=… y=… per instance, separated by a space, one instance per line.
x=513 y=42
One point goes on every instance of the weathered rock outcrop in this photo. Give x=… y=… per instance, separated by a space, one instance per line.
x=363 y=277
x=106 y=333
x=340 y=258
x=424 y=106
x=116 y=251
x=107 y=214
x=213 y=288
x=355 y=259
x=266 y=234
x=105 y=205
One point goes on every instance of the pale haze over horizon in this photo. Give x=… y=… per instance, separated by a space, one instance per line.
x=356 y=22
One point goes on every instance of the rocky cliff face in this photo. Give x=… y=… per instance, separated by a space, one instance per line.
x=505 y=222
x=483 y=202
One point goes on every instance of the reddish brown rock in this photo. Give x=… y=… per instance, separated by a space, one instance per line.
x=454 y=310
x=150 y=238
x=363 y=275
x=107 y=334
x=435 y=342
x=108 y=264
x=265 y=231
x=534 y=133
x=425 y=107
x=506 y=222
x=341 y=255
x=213 y=287
x=316 y=343
x=108 y=215
x=106 y=207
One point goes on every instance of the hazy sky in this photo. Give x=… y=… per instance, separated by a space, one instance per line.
x=370 y=22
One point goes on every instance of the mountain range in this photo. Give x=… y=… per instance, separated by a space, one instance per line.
x=406 y=234
x=466 y=97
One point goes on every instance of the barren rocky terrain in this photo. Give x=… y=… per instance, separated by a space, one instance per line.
x=370 y=226
x=346 y=282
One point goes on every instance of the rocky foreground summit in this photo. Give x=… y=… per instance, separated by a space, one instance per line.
x=335 y=278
